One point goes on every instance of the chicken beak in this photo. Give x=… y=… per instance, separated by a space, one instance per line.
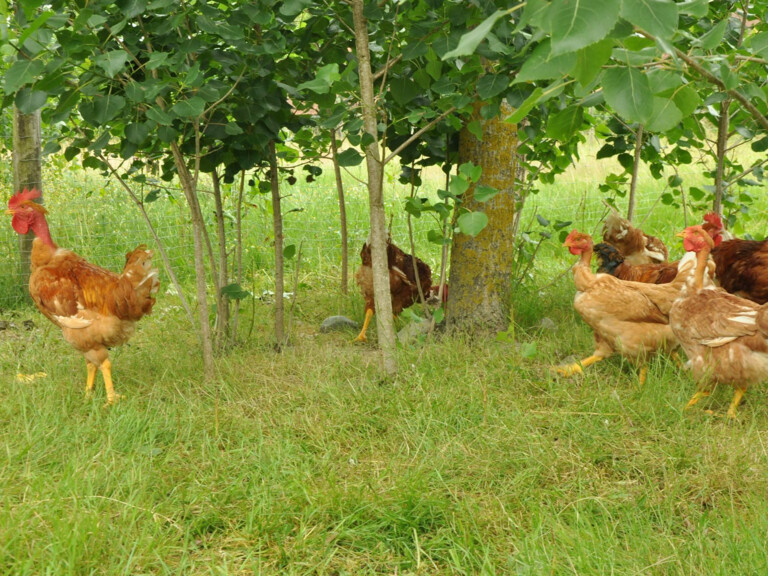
x=680 y=234
x=10 y=212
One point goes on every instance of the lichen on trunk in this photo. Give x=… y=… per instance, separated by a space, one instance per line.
x=479 y=300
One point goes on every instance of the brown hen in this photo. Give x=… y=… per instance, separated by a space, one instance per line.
x=627 y=318
x=96 y=309
x=724 y=336
x=402 y=281
x=632 y=243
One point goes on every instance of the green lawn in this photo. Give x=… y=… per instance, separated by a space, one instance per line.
x=474 y=461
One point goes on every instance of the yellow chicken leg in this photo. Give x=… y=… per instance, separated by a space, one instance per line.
x=696 y=397
x=368 y=315
x=643 y=374
x=576 y=367
x=91 y=367
x=738 y=394
x=106 y=371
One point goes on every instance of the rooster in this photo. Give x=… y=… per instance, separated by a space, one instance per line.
x=613 y=263
x=632 y=243
x=96 y=309
x=628 y=318
x=402 y=281
x=724 y=336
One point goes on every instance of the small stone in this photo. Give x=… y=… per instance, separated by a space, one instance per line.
x=333 y=323
x=547 y=324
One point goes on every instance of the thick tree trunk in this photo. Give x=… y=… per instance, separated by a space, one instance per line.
x=27 y=170
x=479 y=299
x=384 y=322
x=277 y=222
x=189 y=187
x=342 y=215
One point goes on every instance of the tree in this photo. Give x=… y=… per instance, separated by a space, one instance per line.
x=480 y=298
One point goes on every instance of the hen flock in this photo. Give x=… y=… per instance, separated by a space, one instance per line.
x=711 y=303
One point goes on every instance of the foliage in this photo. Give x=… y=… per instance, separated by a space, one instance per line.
x=659 y=64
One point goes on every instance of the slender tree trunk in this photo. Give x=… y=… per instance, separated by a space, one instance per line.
x=238 y=254
x=222 y=302
x=342 y=215
x=277 y=222
x=635 y=170
x=190 y=193
x=722 y=147
x=27 y=171
x=384 y=322
x=479 y=299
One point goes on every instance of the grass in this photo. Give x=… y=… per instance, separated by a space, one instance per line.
x=474 y=461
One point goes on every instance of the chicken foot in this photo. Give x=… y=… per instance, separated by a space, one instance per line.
x=91 y=367
x=738 y=394
x=361 y=337
x=577 y=367
x=106 y=372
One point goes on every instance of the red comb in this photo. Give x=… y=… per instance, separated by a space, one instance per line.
x=714 y=219
x=23 y=196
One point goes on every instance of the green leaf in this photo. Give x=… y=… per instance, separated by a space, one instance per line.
x=472 y=223
x=289 y=251
x=413 y=206
x=543 y=221
x=471 y=40
x=323 y=81
x=294 y=7
x=153 y=195
x=28 y=100
x=565 y=123
x=21 y=72
x=470 y=171
x=758 y=44
x=349 y=157
x=665 y=115
x=436 y=237
x=687 y=99
x=476 y=129
x=157 y=59
x=492 y=85
x=101 y=109
x=695 y=8
x=484 y=193
x=32 y=27
x=403 y=90
x=526 y=106
x=458 y=186
x=760 y=145
x=159 y=116
x=137 y=132
x=189 y=108
x=576 y=24
x=235 y=292
x=712 y=38
x=590 y=60
x=543 y=65
x=112 y=62
x=658 y=17
x=627 y=91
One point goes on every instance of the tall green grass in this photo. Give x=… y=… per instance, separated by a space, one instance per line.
x=474 y=461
